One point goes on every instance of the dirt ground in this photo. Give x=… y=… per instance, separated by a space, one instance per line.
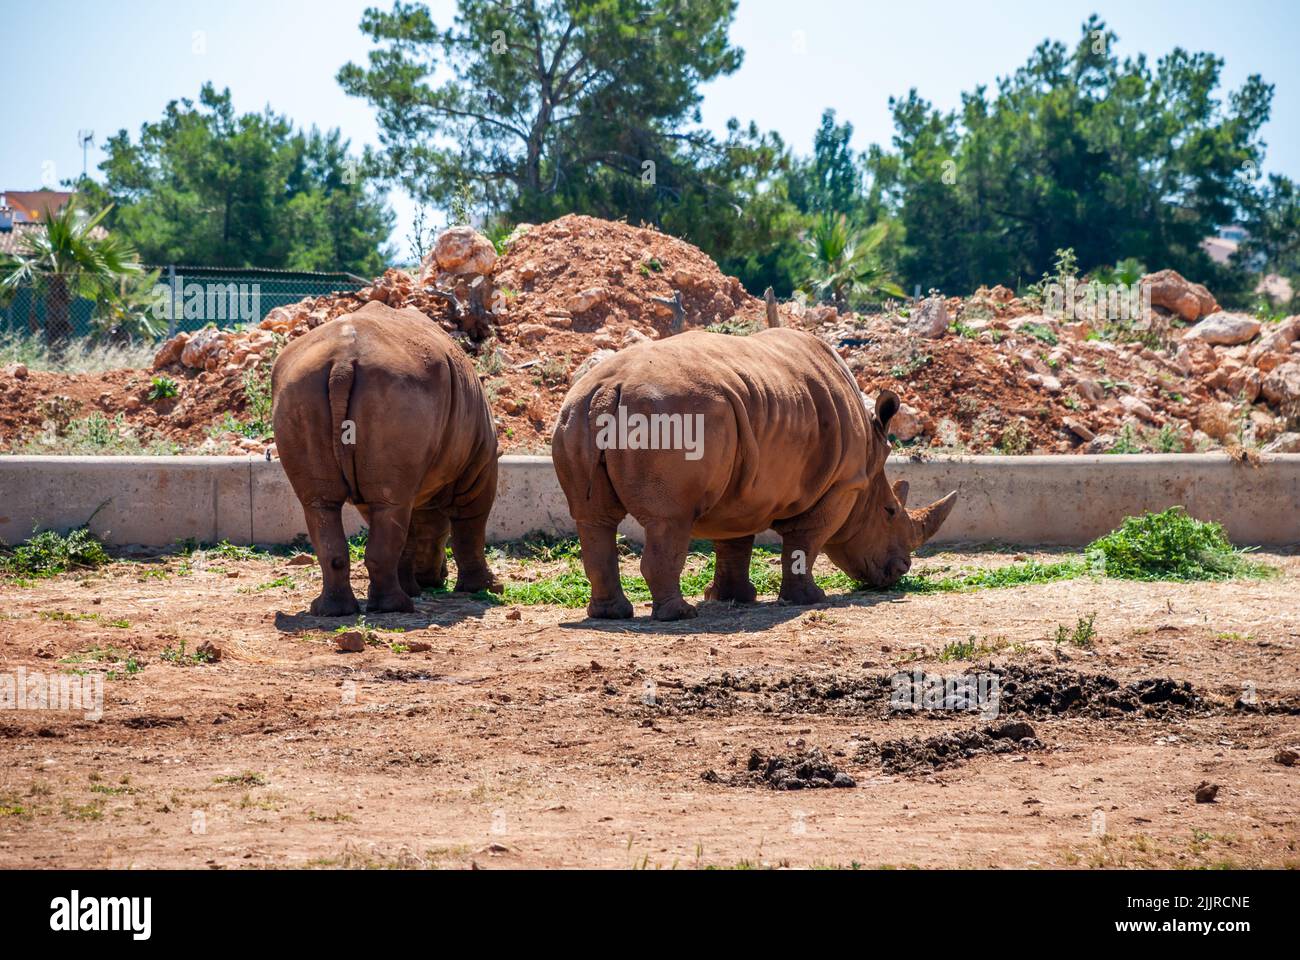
x=528 y=736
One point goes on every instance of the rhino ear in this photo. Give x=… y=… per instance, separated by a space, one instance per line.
x=900 y=491
x=886 y=406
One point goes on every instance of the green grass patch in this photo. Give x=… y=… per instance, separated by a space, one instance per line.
x=1011 y=575
x=1170 y=545
x=50 y=553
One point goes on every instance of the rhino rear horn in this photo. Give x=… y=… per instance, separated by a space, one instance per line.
x=929 y=519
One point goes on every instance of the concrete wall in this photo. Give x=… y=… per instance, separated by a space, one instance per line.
x=1046 y=500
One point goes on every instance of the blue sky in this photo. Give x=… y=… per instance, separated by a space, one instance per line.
x=119 y=63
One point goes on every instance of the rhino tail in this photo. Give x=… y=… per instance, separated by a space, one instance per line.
x=342 y=374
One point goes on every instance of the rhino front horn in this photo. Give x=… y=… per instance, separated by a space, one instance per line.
x=929 y=519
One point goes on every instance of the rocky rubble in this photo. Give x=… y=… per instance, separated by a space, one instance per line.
x=986 y=373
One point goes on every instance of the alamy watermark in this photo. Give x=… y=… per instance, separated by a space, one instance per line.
x=208 y=302
x=31 y=690
x=1091 y=300
x=972 y=692
x=655 y=431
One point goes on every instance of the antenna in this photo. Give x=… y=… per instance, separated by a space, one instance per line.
x=84 y=139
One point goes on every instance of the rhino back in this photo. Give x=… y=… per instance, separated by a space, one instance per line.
x=415 y=401
x=783 y=423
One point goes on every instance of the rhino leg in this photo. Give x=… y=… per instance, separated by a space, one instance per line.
x=468 y=538
x=600 y=561
x=469 y=519
x=388 y=524
x=424 y=558
x=666 y=545
x=731 y=571
x=325 y=527
x=798 y=554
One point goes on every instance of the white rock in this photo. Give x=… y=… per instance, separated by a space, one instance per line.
x=929 y=319
x=582 y=369
x=1224 y=328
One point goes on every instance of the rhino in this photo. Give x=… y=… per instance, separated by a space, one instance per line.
x=382 y=409
x=718 y=437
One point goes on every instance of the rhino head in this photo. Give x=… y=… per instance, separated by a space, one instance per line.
x=875 y=544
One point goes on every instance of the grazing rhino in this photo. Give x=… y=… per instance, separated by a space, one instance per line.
x=383 y=409
x=720 y=437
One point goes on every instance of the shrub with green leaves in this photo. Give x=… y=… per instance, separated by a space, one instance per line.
x=50 y=553
x=1170 y=546
x=163 y=388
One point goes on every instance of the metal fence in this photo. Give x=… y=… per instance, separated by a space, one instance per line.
x=183 y=298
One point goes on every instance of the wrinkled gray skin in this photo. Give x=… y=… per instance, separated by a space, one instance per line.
x=423 y=465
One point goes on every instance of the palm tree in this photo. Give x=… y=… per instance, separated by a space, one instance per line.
x=844 y=263
x=70 y=258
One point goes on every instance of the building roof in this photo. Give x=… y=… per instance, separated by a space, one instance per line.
x=32 y=205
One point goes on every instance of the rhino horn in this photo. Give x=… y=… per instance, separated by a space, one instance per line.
x=929 y=519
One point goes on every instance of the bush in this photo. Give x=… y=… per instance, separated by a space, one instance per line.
x=1170 y=546
x=48 y=553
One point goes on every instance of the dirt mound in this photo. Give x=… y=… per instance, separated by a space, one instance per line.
x=1056 y=691
x=805 y=770
x=913 y=754
x=988 y=373
x=1020 y=690
x=592 y=276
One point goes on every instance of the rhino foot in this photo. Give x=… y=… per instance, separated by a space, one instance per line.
x=392 y=602
x=674 y=609
x=474 y=584
x=802 y=594
x=739 y=593
x=335 y=606
x=618 y=608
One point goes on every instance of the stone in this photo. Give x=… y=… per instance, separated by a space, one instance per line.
x=1223 y=328
x=531 y=332
x=633 y=337
x=209 y=651
x=1138 y=408
x=1287 y=756
x=584 y=300
x=418 y=646
x=582 y=369
x=460 y=250
x=1078 y=428
x=1215 y=420
x=1089 y=390
x=1282 y=384
x=1206 y=792
x=1245 y=383
x=170 y=351
x=1045 y=381
x=202 y=347
x=1170 y=290
x=908 y=423
x=353 y=641
x=929 y=319
x=301 y=560
x=1284 y=443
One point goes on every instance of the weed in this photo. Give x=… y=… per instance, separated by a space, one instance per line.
x=181 y=657
x=49 y=553
x=1171 y=546
x=163 y=388
x=1082 y=635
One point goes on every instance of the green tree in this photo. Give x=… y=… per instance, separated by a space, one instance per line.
x=539 y=104
x=844 y=265
x=1075 y=149
x=70 y=257
x=831 y=180
x=207 y=186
